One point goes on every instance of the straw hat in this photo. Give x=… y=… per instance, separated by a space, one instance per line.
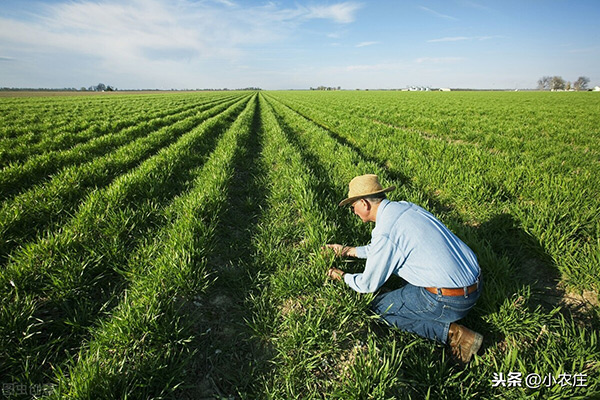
x=364 y=186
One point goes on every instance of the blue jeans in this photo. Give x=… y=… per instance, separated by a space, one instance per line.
x=414 y=309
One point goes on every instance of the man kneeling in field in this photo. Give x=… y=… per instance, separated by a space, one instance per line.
x=444 y=278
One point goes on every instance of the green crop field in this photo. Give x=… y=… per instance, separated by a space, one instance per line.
x=168 y=245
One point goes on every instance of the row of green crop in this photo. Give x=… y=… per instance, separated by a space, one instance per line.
x=559 y=211
x=45 y=207
x=557 y=136
x=30 y=115
x=16 y=177
x=541 y=134
x=532 y=128
x=399 y=364
x=142 y=349
x=33 y=117
x=523 y=122
x=17 y=150
x=60 y=122
x=54 y=289
x=43 y=115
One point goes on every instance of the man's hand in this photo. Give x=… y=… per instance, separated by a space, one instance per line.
x=342 y=251
x=337 y=249
x=335 y=274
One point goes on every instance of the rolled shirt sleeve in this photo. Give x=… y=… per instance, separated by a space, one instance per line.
x=362 y=251
x=381 y=255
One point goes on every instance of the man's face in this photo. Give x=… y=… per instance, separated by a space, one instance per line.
x=361 y=208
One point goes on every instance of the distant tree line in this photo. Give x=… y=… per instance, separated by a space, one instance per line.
x=101 y=87
x=558 y=83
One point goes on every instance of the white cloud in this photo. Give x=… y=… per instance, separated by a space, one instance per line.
x=226 y=3
x=126 y=31
x=156 y=38
x=342 y=12
x=437 y=14
x=489 y=37
x=365 y=44
x=448 y=39
x=335 y=35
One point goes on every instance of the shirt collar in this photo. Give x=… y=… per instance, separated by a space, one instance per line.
x=382 y=205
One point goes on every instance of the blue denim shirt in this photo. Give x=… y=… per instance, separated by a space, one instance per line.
x=410 y=242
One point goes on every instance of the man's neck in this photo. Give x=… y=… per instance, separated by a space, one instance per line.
x=373 y=212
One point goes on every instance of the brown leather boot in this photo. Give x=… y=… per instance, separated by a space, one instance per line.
x=463 y=342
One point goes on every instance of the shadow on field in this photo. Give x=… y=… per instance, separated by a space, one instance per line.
x=531 y=268
x=227 y=355
x=532 y=265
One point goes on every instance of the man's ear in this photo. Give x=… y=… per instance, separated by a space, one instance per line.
x=368 y=204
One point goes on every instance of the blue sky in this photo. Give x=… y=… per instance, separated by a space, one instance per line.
x=164 y=44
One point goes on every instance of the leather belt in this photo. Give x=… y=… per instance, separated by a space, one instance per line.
x=454 y=291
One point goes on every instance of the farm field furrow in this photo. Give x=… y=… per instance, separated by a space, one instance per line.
x=34 y=119
x=171 y=245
